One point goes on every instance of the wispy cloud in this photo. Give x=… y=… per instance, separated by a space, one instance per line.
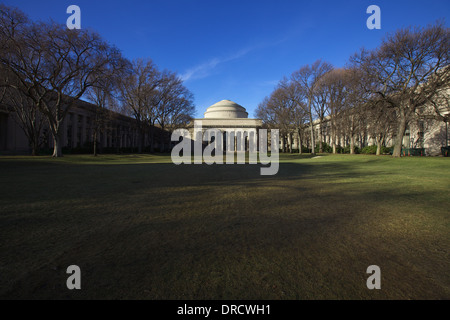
x=203 y=70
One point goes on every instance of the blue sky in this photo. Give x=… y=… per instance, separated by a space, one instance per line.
x=238 y=50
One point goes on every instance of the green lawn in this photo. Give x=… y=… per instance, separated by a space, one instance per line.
x=140 y=227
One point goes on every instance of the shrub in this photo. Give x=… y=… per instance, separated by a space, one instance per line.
x=369 y=150
x=373 y=150
x=347 y=150
x=325 y=148
x=304 y=150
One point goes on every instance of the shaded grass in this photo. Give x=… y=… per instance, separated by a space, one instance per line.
x=142 y=228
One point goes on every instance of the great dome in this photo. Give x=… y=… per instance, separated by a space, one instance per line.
x=226 y=109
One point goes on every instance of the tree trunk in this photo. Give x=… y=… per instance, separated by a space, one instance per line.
x=299 y=141
x=333 y=137
x=57 y=149
x=35 y=146
x=398 y=141
x=379 y=145
x=311 y=125
x=32 y=135
x=320 y=137
x=334 y=144
x=352 y=144
x=290 y=142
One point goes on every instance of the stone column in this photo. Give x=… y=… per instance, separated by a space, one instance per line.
x=289 y=141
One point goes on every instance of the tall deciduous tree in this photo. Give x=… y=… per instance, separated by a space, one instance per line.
x=381 y=121
x=352 y=116
x=293 y=97
x=277 y=112
x=174 y=103
x=26 y=115
x=104 y=95
x=335 y=85
x=307 y=79
x=137 y=90
x=407 y=71
x=55 y=66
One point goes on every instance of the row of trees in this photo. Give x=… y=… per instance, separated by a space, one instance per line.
x=46 y=68
x=155 y=98
x=378 y=93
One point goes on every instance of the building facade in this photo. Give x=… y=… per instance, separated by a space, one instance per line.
x=231 y=119
x=114 y=131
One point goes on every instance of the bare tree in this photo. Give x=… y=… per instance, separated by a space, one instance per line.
x=299 y=117
x=26 y=115
x=321 y=108
x=350 y=125
x=137 y=90
x=174 y=103
x=183 y=112
x=55 y=65
x=104 y=95
x=266 y=114
x=283 y=107
x=277 y=111
x=438 y=108
x=353 y=117
x=293 y=115
x=307 y=79
x=440 y=102
x=335 y=86
x=381 y=122
x=407 y=71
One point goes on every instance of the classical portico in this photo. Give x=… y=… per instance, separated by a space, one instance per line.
x=230 y=118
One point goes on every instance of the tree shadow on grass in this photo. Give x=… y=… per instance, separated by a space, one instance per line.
x=159 y=231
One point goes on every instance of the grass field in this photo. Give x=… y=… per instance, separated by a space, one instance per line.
x=140 y=227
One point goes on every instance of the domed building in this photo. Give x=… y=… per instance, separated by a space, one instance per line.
x=226 y=109
x=226 y=116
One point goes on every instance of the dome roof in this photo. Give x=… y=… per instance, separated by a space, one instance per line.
x=226 y=109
